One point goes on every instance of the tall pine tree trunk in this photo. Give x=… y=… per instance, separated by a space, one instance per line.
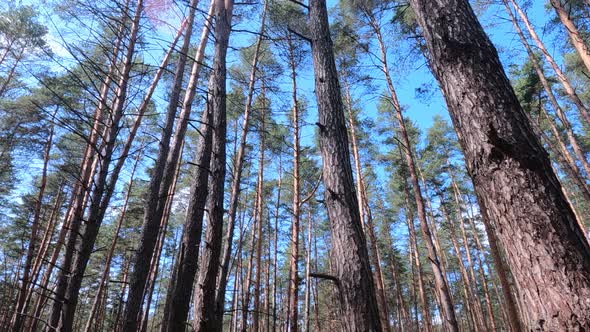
x=352 y=267
x=207 y=312
x=107 y=264
x=509 y=168
x=160 y=182
x=259 y=216
x=237 y=176
x=293 y=292
x=20 y=307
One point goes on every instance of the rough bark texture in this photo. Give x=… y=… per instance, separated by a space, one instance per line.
x=351 y=260
x=546 y=250
x=206 y=318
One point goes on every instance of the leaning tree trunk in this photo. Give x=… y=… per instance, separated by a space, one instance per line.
x=440 y=284
x=470 y=299
x=107 y=264
x=62 y=312
x=161 y=180
x=365 y=212
x=416 y=256
x=183 y=276
x=206 y=318
x=352 y=267
x=19 y=312
x=547 y=251
x=180 y=287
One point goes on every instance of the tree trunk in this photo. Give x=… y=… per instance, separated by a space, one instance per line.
x=183 y=276
x=107 y=264
x=275 y=246
x=470 y=282
x=259 y=217
x=82 y=188
x=248 y=282
x=207 y=312
x=412 y=261
x=293 y=292
x=441 y=287
x=401 y=302
x=20 y=308
x=160 y=182
x=352 y=267
x=41 y=257
x=427 y=322
x=487 y=296
x=365 y=213
x=62 y=312
x=307 y=297
x=118 y=326
x=237 y=176
x=470 y=298
x=539 y=231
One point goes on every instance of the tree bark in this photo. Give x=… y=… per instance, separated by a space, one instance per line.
x=352 y=267
x=207 y=312
x=511 y=171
